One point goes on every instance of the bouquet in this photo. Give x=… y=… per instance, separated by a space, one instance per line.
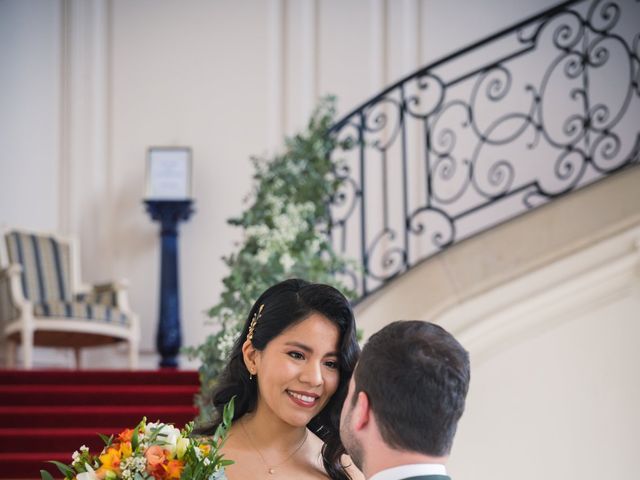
x=152 y=451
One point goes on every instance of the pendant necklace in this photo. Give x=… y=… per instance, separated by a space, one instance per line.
x=271 y=469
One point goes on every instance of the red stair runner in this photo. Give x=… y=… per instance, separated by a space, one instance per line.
x=46 y=415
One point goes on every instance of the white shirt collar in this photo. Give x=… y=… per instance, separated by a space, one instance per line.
x=408 y=471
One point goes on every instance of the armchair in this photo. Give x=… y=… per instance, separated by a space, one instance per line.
x=42 y=304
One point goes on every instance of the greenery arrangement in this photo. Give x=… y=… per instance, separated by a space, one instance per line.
x=285 y=229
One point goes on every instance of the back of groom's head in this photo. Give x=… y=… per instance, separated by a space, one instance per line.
x=416 y=376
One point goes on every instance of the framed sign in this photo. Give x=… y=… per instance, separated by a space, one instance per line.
x=168 y=173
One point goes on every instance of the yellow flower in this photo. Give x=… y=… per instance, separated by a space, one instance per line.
x=125 y=449
x=205 y=449
x=110 y=459
x=181 y=447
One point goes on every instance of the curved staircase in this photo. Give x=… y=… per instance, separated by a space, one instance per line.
x=47 y=415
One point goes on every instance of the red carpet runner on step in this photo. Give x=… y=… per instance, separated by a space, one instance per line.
x=46 y=415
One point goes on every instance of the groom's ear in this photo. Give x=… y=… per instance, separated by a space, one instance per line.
x=361 y=411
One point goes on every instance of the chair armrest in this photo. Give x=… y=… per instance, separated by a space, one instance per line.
x=112 y=294
x=11 y=270
x=115 y=286
x=12 y=300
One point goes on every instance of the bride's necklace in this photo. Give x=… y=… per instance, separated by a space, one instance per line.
x=271 y=469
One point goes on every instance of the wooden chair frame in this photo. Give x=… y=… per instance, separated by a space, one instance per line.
x=28 y=330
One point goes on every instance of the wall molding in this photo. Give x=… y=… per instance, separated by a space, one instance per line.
x=309 y=60
x=300 y=63
x=378 y=51
x=64 y=179
x=85 y=166
x=275 y=74
x=537 y=302
x=410 y=36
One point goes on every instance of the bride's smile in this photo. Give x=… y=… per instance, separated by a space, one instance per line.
x=303 y=399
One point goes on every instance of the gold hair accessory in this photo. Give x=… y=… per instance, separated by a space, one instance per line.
x=254 y=321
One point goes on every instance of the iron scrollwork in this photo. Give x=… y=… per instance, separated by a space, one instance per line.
x=461 y=144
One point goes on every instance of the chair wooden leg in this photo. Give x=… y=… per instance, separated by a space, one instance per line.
x=78 y=354
x=12 y=351
x=133 y=355
x=27 y=348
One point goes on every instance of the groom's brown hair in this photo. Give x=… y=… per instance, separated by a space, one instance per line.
x=416 y=376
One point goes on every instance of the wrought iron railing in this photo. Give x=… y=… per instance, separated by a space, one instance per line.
x=485 y=134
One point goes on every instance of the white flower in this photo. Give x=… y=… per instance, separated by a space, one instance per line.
x=257 y=231
x=314 y=246
x=226 y=342
x=206 y=461
x=263 y=256
x=167 y=434
x=84 y=449
x=132 y=465
x=287 y=262
x=90 y=474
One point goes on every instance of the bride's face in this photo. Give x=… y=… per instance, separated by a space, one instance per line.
x=298 y=372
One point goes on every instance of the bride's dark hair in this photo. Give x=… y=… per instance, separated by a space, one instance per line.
x=286 y=304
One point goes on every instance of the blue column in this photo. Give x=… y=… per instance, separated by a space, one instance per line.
x=169 y=336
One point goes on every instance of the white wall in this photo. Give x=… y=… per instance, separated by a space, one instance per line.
x=561 y=403
x=555 y=384
x=29 y=113
x=89 y=85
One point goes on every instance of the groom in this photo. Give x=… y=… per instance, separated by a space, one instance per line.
x=404 y=402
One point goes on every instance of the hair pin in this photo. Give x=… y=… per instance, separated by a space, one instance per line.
x=254 y=321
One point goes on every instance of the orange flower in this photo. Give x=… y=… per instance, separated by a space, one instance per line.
x=173 y=469
x=126 y=435
x=155 y=455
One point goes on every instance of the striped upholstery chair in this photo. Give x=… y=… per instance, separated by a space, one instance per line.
x=41 y=302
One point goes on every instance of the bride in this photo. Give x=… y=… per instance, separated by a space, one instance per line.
x=289 y=372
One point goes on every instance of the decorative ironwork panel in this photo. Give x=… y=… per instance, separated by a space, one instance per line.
x=488 y=133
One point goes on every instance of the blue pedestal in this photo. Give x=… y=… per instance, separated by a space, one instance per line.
x=169 y=336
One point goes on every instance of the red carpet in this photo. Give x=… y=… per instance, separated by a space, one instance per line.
x=46 y=415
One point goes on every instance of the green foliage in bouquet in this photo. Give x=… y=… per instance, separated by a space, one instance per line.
x=285 y=236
